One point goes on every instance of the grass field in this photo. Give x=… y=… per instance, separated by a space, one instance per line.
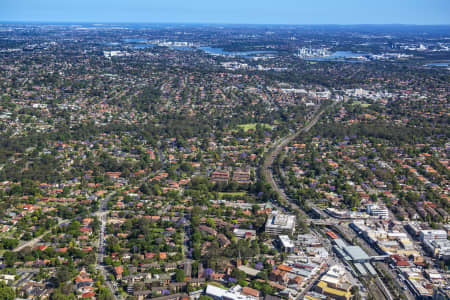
x=360 y=103
x=235 y=194
x=252 y=126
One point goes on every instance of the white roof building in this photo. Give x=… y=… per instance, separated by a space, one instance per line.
x=378 y=211
x=286 y=243
x=278 y=223
x=241 y=233
x=233 y=293
x=335 y=275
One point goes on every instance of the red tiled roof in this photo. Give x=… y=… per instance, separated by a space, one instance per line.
x=118 y=270
x=88 y=295
x=284 y=268
x=250 y=291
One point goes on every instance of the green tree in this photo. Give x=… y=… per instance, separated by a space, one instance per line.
x=6 y=292
x=179 y=275
x=104 y=294
x=63 y=275
x=9 y=258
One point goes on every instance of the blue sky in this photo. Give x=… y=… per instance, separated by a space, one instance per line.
x=230 y=11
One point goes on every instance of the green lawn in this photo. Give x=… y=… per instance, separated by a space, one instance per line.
x=217 y=284
x=361 y=104
x=252 y=126
x=234 y=194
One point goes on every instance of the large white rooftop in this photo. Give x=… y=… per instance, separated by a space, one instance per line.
x=280 y=221
x=233 y=293
x=286 y=241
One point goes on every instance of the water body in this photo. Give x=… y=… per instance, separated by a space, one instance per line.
x=347 y=56
x=143 y=46
x=112 y=44
x=220 y=51
x=134 y=41
x=440 y=64
x=137 y=43
x=341 y=56
x=210 y=50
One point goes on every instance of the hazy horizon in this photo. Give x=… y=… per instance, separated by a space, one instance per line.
x=263 y=12
x=43 y=22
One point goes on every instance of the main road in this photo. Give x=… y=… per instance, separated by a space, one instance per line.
x=277 y=146
x=37 y=239
x=102 y=213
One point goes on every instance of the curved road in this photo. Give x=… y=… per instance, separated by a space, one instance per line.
x=276 y=149
x=33 y=242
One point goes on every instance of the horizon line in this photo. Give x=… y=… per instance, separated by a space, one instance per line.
x=213 y=23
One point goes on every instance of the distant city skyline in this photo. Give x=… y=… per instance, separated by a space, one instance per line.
x=420 y=12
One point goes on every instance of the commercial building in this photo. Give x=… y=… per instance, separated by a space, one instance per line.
x=308 y=240
x=278 y=223
x=286 y=244
x=335 y=284
x=426 y=235
x=378 y=211
x=438 y=248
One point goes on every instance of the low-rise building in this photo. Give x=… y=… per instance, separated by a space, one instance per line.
x=234 y=293
x=220 y=176
x=335 y=283
x=244 y=233
x=286 y=244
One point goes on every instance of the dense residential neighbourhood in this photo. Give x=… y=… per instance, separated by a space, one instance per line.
x=228 y=163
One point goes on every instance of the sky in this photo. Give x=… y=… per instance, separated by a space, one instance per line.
x=423 y=12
